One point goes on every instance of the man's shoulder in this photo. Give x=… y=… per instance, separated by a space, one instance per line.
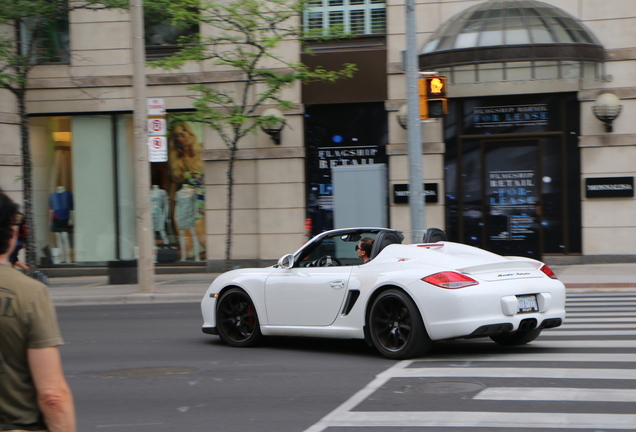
x=16 y=281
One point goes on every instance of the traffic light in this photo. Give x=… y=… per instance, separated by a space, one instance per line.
x=433 y=102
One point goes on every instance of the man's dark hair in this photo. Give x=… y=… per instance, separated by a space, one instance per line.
x=8 y=214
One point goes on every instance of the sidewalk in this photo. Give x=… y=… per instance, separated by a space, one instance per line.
x=169 y=288
x=84 y=290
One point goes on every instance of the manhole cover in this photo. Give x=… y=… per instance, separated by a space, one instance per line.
x=149 y=372
x=444 y=387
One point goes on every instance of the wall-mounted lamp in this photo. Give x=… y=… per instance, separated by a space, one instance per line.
x=606 y=108
x=403 y=116
x=273 y=123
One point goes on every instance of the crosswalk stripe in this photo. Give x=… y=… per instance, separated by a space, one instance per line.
x=589 y=309
x=602 y=314
x=612 y=305
x=508 y=420
x=556 y=394
x=585 y=344
x=631 y=320
x=585 y=325
x=530 y=357
x=557 y=332
x=602 y=298
x=503 y=372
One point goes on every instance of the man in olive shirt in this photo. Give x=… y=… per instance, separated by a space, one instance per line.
x=34 y=395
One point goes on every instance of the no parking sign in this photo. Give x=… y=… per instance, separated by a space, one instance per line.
x=157 y=149
x=157 y=127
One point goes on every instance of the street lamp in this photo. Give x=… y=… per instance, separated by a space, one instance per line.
x=273 y=123
x=403 y=115
x=606 y=108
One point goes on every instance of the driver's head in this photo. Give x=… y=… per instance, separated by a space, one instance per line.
x=364 y=248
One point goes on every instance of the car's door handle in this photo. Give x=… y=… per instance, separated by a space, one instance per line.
x=337 y=284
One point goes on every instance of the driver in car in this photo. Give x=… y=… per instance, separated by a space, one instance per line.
x=363 y=248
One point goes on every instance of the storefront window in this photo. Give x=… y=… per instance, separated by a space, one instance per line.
x=512 y=175
x=339 y=135
x=84 y=194
x=84 y=211
x=178 y=196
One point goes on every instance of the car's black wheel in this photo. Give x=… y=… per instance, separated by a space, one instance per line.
x=236 y=318
x=519 y=337
x=396 y=326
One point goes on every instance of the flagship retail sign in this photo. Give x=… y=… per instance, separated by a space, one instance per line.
x=511 y=115
x=157 y=141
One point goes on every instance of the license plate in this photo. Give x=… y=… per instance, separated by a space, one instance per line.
x=527 y=303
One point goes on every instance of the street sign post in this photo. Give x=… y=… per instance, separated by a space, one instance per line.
x=157 y=141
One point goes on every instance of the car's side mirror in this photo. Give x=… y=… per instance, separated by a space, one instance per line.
x=286 y=262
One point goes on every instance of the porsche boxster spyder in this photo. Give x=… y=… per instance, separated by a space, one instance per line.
x=403 y=299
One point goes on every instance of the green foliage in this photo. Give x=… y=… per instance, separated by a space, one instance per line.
x=36 y=22
x=247 y=36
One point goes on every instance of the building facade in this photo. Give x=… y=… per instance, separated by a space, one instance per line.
x=521 y=165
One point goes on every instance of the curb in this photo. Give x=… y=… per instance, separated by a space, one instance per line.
x=126 y=299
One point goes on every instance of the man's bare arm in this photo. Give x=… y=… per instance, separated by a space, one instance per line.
x=54 y=395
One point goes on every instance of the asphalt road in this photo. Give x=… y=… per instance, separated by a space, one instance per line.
x=149 y=368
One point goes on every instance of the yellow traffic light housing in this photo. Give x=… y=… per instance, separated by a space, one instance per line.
x=433 y=103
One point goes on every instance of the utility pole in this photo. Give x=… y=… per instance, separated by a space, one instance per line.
x=145 y=234
x=414 y=132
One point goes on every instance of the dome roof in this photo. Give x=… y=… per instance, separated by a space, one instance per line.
x=510 y=31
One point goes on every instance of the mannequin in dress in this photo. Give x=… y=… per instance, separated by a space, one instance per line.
x=160 y=211
x=61 y=217
x=185 y=214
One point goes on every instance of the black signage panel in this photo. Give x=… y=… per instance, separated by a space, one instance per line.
x=609 y=187
x=401 y=193
x=532 y=114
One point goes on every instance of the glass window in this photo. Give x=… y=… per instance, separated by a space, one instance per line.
x=84 y=194
x=178 y=195
x=47 y=43
x=358 y=17
x=84 y=210
x=163 y=35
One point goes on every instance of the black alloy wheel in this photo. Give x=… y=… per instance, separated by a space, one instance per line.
x=520 y=337
x=396 y=326
x=236 y=318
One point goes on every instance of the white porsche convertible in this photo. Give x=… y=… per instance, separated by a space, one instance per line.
x=403 y=299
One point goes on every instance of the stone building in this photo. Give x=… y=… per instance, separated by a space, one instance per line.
x=520 y=165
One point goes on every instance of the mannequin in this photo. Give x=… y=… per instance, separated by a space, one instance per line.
x=61 y=217
x=185 y=214
x=160 y=211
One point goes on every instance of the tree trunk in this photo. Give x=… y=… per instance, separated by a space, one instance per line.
x=27 y=175
x=230 y=202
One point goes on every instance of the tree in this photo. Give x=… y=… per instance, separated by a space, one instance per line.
x=246 y=36
x=29 y=37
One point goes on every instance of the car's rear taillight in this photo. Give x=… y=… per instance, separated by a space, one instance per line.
x=548 y=271
x=450 y=280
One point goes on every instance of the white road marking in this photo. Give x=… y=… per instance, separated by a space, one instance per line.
x=532 y=357
x=556 y=394
x=557 y=332
x=570 y=325
x=585 y=344
x=504 y=372
x=593 y=309
x=631 y=320
x=507 y=420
